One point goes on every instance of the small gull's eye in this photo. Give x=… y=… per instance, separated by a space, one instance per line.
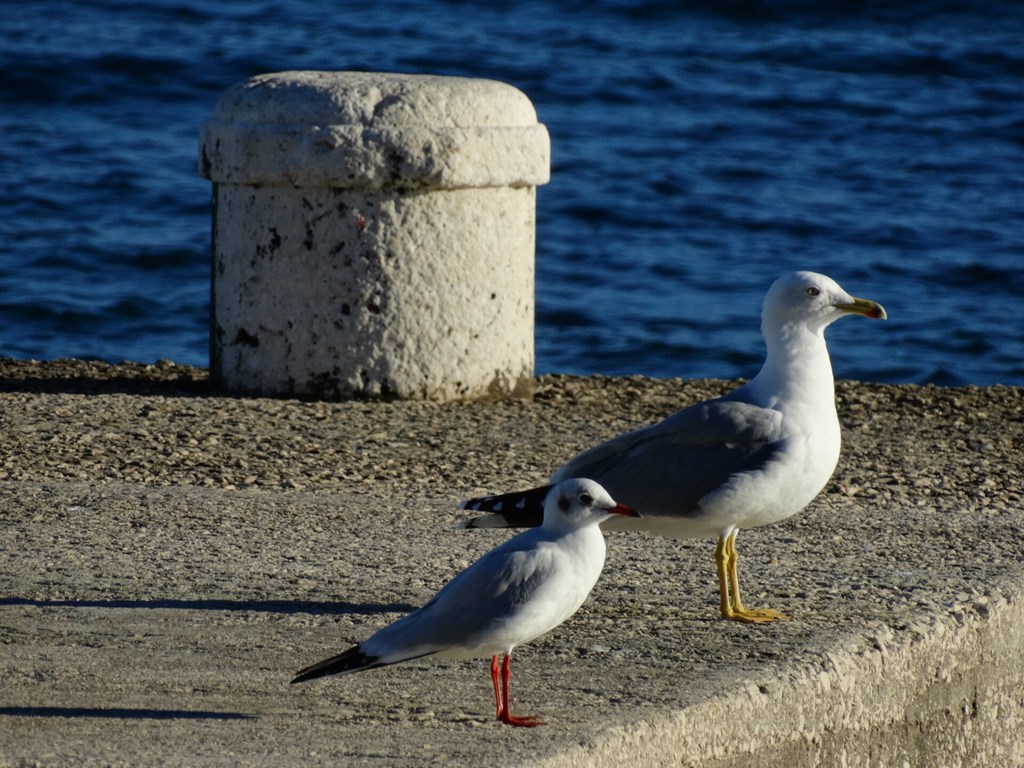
x=586 y=499
x=812 y=291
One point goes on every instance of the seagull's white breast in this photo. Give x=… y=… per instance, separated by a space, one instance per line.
x=547 y=585
x=783 y=487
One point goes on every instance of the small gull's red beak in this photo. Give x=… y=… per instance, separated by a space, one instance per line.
x=622 y=509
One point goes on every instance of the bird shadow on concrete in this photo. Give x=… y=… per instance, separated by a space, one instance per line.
x=316 y=607
x=123 y=713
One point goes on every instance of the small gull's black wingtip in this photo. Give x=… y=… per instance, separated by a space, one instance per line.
x=352 y=660
x=309 y=673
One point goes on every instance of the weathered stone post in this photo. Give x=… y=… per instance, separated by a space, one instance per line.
x=373 y=236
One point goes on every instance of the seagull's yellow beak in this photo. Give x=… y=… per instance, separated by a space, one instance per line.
x=864 y=307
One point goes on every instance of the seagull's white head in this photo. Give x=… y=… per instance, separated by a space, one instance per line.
x=579 y=502
x=807 y=300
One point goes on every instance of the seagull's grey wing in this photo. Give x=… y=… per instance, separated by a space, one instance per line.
x=668 y=467
x=480 y=600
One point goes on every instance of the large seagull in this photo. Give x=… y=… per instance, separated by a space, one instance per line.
x=754 y=456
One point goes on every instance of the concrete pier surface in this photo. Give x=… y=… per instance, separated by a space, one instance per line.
x=170 y=557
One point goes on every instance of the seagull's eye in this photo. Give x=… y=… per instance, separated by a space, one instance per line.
x=586 y=499
x=812 y=291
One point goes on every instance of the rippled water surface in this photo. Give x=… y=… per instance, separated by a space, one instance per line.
x=697 y=153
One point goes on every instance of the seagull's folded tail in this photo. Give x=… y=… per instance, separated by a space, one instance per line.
x=519 y=509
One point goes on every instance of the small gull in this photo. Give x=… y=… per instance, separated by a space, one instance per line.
x=513 y=594
x=755 y=456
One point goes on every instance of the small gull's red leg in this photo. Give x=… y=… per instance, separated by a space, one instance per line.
x=506 y=716
x=497 y=687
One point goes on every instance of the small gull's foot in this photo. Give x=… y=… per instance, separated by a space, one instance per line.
x=522 y=721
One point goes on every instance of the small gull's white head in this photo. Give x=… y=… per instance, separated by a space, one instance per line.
x=578 y=502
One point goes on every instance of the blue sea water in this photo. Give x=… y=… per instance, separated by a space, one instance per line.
x=699 y=150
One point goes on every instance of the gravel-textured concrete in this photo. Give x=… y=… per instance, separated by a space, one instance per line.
x=170 y=557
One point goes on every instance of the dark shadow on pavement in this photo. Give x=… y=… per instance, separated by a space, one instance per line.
x=263 y=606
x=123 y=713
x=91 y=377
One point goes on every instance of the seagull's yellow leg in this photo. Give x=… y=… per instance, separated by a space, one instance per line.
x=722 y=563
x=727 y=560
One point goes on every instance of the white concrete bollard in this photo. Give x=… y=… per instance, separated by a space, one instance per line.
x=373 y=236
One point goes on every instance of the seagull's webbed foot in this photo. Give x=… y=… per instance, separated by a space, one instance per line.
x=753 y=615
